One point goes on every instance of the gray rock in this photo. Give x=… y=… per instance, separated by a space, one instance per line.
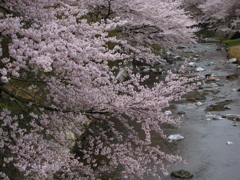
x=199 y=103
x=215 y=91
x=146 y=69
x=154 y=70
x=192 y=64
x=168 y=112
x=177 y=57
x=233 y=60
x=210 y=117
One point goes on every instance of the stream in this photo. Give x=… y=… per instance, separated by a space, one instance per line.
x=211 y=144
x=210 y=115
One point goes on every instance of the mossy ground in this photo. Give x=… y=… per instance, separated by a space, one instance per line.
x=233 y=49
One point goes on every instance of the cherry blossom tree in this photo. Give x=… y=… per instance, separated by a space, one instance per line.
x=161 y=21
x=221 y=16
x=64 y=112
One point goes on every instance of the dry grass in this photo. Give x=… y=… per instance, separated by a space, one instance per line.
x=234 y=52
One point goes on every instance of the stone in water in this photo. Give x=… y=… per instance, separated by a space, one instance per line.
x=199 y=69
x=175 y=137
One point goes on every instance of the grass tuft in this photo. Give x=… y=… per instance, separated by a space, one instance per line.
x=233 y=49
x=231 y=43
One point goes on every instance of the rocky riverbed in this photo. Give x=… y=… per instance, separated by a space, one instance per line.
x=209 y=135
x=211 y=116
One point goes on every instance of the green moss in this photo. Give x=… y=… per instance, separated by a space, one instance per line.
x=6 y=106
x=111 y=45
x=230 y=43
x=90 y=17
x=156 y=49
x=114 y=63
x=115 y=33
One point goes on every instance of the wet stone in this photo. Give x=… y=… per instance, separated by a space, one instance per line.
x=181 y=112
x=229 y=143
x=199 y=69
x=182 y=174
x=205 y=86
x=191 y=99
x=199 y=103
x=168 y=113
x=215 y=91
x=210 y=117
x=220 y=84
x=181 y=47
x=233 y=60
x=176 y=137
x=233 y=117
x=211 y=79
x=192 y=64
x=233 y=76
x=194 y=96
x=220 y=106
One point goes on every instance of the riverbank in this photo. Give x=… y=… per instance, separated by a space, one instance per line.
x=233 y=49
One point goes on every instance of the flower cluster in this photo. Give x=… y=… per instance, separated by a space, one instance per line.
x=66 y=114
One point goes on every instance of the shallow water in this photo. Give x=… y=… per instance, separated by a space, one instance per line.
x=205 y=145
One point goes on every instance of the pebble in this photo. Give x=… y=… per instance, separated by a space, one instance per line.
x=199 y=103
x=210 y=117
x=211 y=79
x=181 y=112
x=221 y=96
x=229 y=143
x=214 y=85
x=168 y=112
x=181 y=47
x=146 y=69
x=199 y=69
x=220 y=84
x=233 y=60
x=192 y=64
x=177 y=57
x=199 y=83
x=175 y=137
x=154 y=70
